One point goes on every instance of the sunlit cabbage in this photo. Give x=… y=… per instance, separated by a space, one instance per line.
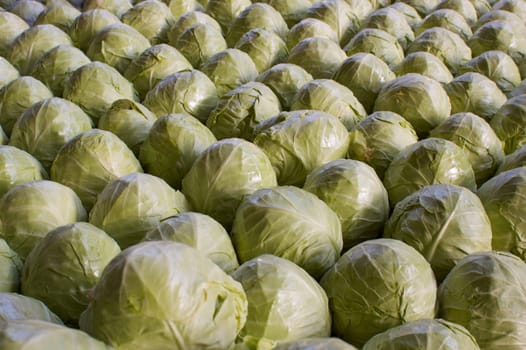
x=300 y=141
x=377 y=285
x=284 y=302
x=17 y=96
x=466 y=8
x=89 y=161
x=447 y=19
x=10 y=268
x=364 y=74
x=65 y=265
x=424 y=335
x=88 y=24
x=60 y=16
x=211 y=311
x=478 y=140
x=514 y=6
x=46 y=126
x=427 y=162
x=444 y=223
x=314 y=343
x=16 y=167
x=180 y=7
x=378 y=138
x=151 y=18
x=14 y=306
x=57 y=65
x=8 y=73
x=356 y=194
x=265 y=48
x=393 y=22
x=95 y=86
x=117 y=7
x=444 y=44
x=28 y=10
x=200 y=232
x=424 y=7
x=130 y=121
x=172 y=145
x=239 y=111
x=417 y=98
x=154 y=64
x=285 y=79
x=308 y=28
x=292 y=11
x=117 y=45
x=377 y=42
x=500 y=35
x=509 y=123
x=425 y=64
x=513 y=160
x=199 y=43
x=223 y=174
x=472 y=296
x=29 y=46
x=229 y=69
x=11 y=26
x=496 y=15
x=330 y=97
x=37 y=334
x=189 y=20
x=319 y=56
x=497 y=66
x=291 y=223
x=410 y=13
x=31 y=209
x=188 y=91
x=226 y=11
x=257 y=15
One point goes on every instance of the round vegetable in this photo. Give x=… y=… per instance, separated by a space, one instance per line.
x=315 y=344
x=17 y=166
x=447 y=19
x=151 y=18
x=190 y=19
x=8 y=73
x=28 y=10
x=509 y=123
x=61 y=16
x=513 y=160
x=377 y=42
x=308 y=28
x=11 y=26
x=265 y=48
x=393 y=22
x=319 y=56
x=226 y=11
x=117 y=7
x=14 y=306
x=10 y=267
x=88 y=24
x=199 y=43
x=425 y=64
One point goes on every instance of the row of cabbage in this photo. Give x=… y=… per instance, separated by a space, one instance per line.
x=284 y=152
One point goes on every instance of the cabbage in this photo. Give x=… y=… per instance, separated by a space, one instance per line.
x=151 y=18
x=200 y=232
x=15 y=306
x=315 y=344
x=423 y=7
x=31 y=209
x=30 y=45
x=356 y=194
x=95 y=86
x=117 y=45
x=292 y=11
x=377 y=285
x=239 y=111
x=513 y=6
x=130 y=121
x=117 y=7
x=417 y=98
x=427 y=162
x=291 y=223
x=513 y=160
x=377 y=42
x=285 y=79
x=472 y=296
x=444 y=223
x=226 y=11
x=496 y=15
x=256 y=15
x=466 y=8
x=199 y=43
x=65 y=265
x=11 y=26
x=284 y=302
x=502 y=197
x=56 y=66
x=229 y=69
x=319 y=56
x=478 y=140
x=181 y=7
x=447 y=19
x=301 y=141
x=188 y=20
x=393 y=22
x=265 y=48
x=61 y=16
x=308 y=28
x=10 y=267
x=424 y=335
x=18 y=166
x=473 y=92
x=88 y=24
x=188 y=91
x=89 y=161
x=509 y=123
x=364 y=74
x=410 y=13
x=133 y=304
x=154 y=64
x=172 y=145
x=223 y=174
x=28 y=10
x=8 y=73
x=425 y=64
x=17 y=96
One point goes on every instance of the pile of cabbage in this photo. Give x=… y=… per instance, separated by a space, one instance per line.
x=263 y=174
